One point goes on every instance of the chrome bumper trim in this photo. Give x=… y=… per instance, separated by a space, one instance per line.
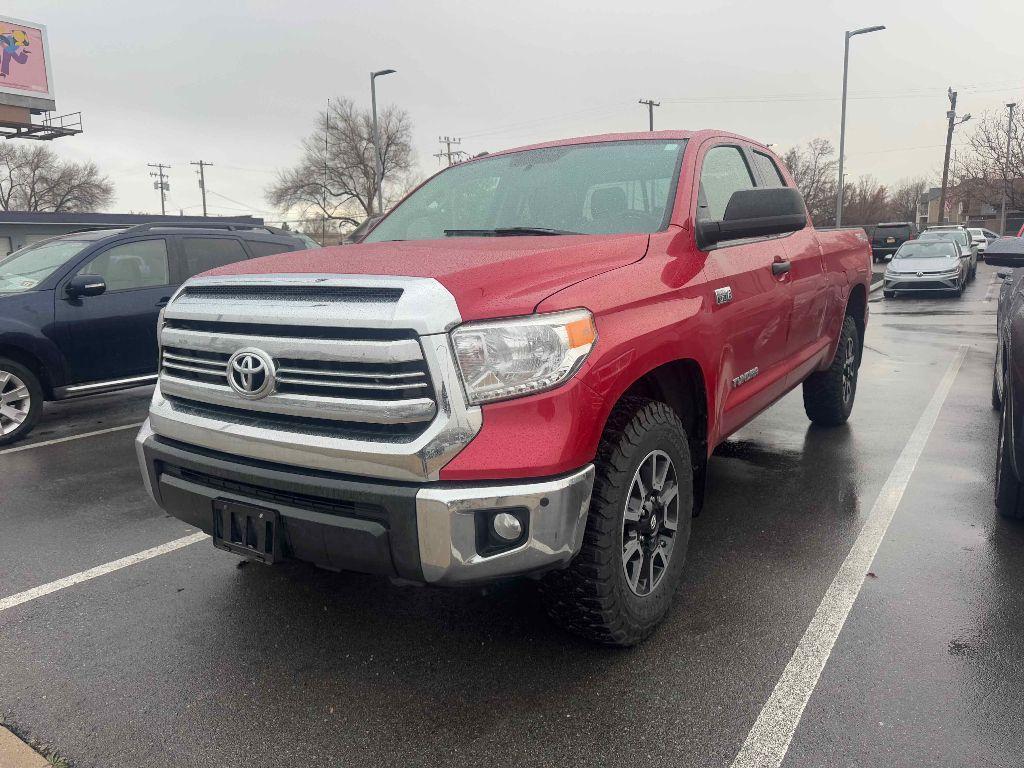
x=445 y=518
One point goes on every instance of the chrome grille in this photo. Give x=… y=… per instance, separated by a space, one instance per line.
x=349 y=376
x=364 y=380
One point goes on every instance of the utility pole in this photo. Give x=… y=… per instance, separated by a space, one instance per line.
x=953 y=123
x=163 y=185
x=1006 y=168
x=202 y=179
x=651 y=104
x=452 y=157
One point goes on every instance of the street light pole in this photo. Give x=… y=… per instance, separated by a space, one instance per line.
x=842 y=120
x=379 y=166
x=1006 y=169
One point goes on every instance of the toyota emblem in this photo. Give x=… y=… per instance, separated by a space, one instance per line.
x=251 y=373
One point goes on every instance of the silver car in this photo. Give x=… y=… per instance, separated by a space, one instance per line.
x=960 y=236
x=928 y=265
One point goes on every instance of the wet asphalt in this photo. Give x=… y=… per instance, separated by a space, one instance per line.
x=194 y=659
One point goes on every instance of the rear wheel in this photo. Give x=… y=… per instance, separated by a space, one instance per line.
x=621 y=584
x=1009 y=490
x=829 y=395
x=889 y=294
x=21 y=401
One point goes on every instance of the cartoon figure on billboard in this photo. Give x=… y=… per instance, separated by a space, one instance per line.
x=13 y=47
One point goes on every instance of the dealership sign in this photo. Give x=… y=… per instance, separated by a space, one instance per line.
x=25 y=78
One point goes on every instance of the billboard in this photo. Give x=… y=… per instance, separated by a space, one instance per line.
x=25 y=78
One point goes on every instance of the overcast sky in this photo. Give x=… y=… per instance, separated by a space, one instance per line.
x=239 y=84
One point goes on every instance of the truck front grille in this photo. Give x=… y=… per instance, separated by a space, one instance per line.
x=350 y=377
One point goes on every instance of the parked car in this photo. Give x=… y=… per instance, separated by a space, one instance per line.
x=983 y=237
x=524 y=370
x=939 y=264
x=960 y=236
x=1007 y=379
x=78 y=312
x=888 y=237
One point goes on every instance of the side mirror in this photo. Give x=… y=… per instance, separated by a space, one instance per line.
x=85 y=285
x=756 y=213
x=1006 y=252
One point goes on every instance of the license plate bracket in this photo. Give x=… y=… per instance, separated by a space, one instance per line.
x=247 y=530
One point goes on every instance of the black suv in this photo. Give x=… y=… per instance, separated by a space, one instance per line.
x=78 y=313
x=888 y=237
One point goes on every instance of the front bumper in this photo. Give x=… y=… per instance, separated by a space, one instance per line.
x=911 y=282
x=418 y=532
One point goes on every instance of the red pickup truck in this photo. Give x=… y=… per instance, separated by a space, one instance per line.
x=522 y=370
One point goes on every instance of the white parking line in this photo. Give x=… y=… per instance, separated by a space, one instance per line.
x=99 y=570
x=69 y=438
x=991 y=292
x=768 y=741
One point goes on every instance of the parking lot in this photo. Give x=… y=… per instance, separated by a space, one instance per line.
x=196 y=658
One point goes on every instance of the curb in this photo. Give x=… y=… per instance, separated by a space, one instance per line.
x=15 y=753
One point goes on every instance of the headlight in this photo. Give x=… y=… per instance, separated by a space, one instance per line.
x=502 y=359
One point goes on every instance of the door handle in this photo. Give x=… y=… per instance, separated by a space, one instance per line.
x=781 y=267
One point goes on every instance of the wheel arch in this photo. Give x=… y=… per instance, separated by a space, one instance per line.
x=26 y=358
x=682 y=386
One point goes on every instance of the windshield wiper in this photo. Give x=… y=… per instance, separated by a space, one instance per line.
x=507 y=232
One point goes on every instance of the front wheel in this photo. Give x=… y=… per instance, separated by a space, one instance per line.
x=620 y=586
x=21 y=401
x=829 y=394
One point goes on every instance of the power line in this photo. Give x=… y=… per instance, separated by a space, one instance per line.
x=202 y=178
x=162 y=185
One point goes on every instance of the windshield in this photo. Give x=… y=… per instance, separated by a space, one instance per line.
x=23 y=270
x=603 y=188
x=936 y=249
x=956 y=236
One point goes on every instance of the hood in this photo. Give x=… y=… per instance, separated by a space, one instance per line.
x=488 y=276
x=913 y=265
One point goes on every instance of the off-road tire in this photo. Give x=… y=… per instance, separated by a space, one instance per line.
x=1009 y=496
x=827 y=399
x=592 y=597
x=31 y=382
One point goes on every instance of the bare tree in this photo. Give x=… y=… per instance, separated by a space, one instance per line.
x=336 y=178
x=983 y=169
x=904 y=197
x=866 y=202
x=814 y=168
x=36 y=179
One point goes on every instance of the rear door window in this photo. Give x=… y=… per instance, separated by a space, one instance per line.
x=203 y=253
x=723 y=172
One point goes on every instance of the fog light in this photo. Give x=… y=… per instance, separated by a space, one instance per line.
x=507 y=526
